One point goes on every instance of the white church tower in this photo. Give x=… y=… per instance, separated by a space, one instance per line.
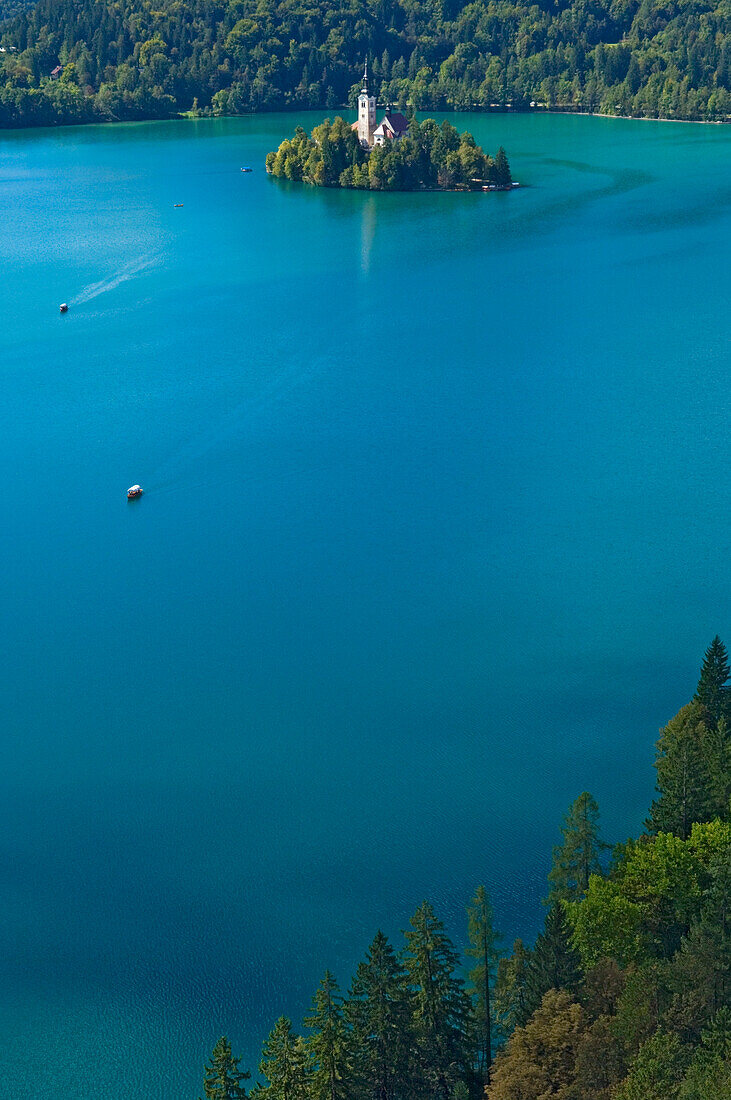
x=366 y=113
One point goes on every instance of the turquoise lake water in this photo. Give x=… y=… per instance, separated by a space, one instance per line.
x=435 y=532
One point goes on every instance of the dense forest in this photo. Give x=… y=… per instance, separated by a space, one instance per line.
x=429 y=156
x=625 y=995
x=128 y=59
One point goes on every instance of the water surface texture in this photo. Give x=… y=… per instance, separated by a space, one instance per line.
x=434 y=534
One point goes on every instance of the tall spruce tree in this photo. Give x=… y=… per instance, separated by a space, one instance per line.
x=379 y=1012
x=284 y=1064
x=328 y=1046
x=579 y=854
x=510 y=996
x=441 y=1005
x=713 y=691
x=223 y=1078
x=555 y=962
x=684 y=783
x=483 y=948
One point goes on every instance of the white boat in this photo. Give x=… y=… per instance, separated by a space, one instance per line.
x=134 y=491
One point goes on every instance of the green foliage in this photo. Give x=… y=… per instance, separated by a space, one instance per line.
x=577 y=858
x=429 y=156
x=328 y=1046
x=483 y=948
x=223 y=1078
x=511 y=995
x=284 y=1064
x=555 y=962
x=651 y=902
x=539 y=1059
x=657 y=1070
x=441 y=1006
x=685 y=753
x=713 y=691
x=380 y=1014
x=237 y=56
x=709 y=1073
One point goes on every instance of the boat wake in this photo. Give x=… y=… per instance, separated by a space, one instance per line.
x=111 y=282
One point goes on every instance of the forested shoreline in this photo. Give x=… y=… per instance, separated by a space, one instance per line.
x=81 y=61
x=626 y=994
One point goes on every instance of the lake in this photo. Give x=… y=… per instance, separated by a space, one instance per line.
x=434 y=534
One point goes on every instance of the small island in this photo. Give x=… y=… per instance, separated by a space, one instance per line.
x=398 y=154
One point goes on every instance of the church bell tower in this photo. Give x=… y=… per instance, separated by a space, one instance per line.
x=366 y=113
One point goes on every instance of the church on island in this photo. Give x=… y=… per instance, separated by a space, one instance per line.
x=392 y=126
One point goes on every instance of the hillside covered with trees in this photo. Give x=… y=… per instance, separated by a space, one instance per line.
x=430 y=157
x=127 y=59
x=625 y=995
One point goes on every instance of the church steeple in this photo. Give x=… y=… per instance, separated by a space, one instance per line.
x=366 y=112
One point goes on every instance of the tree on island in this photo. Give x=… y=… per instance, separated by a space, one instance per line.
x=223 y=1078
x=431 y=156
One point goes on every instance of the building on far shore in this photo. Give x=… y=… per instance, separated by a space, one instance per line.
x=392 y=126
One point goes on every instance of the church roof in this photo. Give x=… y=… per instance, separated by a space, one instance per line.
x=394 y=122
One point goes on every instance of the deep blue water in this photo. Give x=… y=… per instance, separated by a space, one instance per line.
x=434 y=535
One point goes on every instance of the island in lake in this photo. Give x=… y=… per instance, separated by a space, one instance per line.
x=397 y=154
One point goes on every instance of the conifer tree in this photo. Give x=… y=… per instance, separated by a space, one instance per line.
x=328 y=1046
x=441 y=1006
x=284 y=1064
x=223 y=1078
x=502 y=169
x=510 y=997
x=484 y=949
x=684 y=783
x=578 y=856
x=555 y=962
x=712 y=691
x=379 y=1011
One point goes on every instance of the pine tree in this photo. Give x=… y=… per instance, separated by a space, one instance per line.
x=712 y=691
x=555 y=962
x=510 y=999
x=441 y=1006
x=223 y=1078
x=379 y=1011
x=683 y=780
x=483 y=948
x=579 y=855
x=284 y=1064
x=503 y=176
x=328 y=1046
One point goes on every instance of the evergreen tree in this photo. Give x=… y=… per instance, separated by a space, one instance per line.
x=223 y=1078
x=483 y=948
x=510 y=998
x=328 y=1047
x=441 y=1006
x=712 y=691
x=578 y=856
x=555 y=962
x=501 y=170
x=683 y=780
x=284 y=1064
x=379 y=1011
x=539 y=1059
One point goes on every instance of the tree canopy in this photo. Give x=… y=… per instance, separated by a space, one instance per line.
x=126 y=59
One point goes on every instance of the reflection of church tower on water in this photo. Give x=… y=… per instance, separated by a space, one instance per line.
x=366 y=113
